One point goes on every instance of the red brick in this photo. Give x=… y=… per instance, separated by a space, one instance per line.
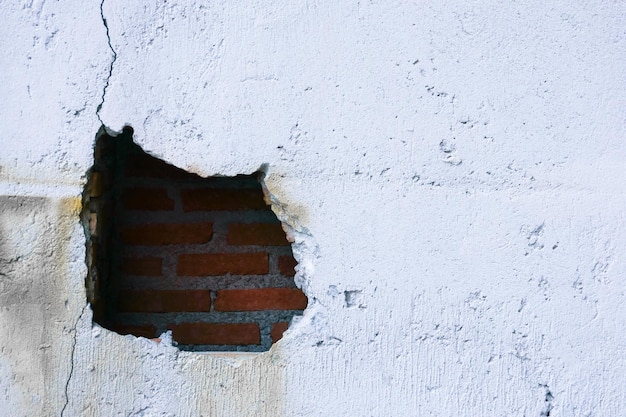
x=146 y=331
x=141 y=198
x=152 y=301
x=149 y=267
x=260 y=299
x=146 y=166
x=266 y=234
x=167 y=234
x=216 y=333
x=211 y=199
x=202 y=264
x=287 y=265
x=277 y=330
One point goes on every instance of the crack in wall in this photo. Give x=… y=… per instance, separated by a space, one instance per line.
x=108 y=79
x=104 y=90
x=548 y=401
x=69 y=377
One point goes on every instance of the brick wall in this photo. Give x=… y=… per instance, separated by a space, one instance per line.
x=203 y=257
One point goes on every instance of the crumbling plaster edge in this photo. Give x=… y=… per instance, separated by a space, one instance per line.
x=305 y=251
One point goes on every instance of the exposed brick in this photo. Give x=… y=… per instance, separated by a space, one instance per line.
x=211 y=199
x=142 y=198
x=147 y=331
x=169 y=196
x=167 y=234
x=202 y=264
x=287 y=265
x=152 y=301
x=216 y=333
x=277 y=330
x=149 y=266
x=266 y=234
x=260 y=299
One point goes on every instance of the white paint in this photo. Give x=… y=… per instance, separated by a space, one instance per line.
x=457 y=168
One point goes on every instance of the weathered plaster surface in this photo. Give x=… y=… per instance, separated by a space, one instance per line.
x=453 y=174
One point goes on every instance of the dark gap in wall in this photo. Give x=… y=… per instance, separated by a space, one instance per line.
x=169 y=250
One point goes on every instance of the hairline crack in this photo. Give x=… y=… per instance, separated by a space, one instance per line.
x=108 y=78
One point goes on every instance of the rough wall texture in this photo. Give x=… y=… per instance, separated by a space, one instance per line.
x=452 y=174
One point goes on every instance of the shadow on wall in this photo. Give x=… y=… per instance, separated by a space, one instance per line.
x=35 y=295
x=169 y=250
x=22 y=302
x=25 y=240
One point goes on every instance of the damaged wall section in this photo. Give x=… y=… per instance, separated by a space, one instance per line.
x=169 y=250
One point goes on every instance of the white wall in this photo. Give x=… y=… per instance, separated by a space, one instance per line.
x=455 y=171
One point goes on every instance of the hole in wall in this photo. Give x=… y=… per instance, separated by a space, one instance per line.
x=169 y=250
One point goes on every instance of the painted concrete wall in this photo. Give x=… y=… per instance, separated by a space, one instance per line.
x=453 y=175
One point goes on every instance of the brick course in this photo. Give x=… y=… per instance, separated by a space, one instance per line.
x=260 y=299
x=263 y=234
x=216 y=333
x=146 y=330
x=159 y=301
x=287 y=265
x=149 y=266
x=277 y=330
x=167 y=234
x=143 y=198
x=200 y=264
x=222 y=199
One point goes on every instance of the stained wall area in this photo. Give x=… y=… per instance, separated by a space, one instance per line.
x=451 y=175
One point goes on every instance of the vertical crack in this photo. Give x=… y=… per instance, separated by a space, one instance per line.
x=108 y=79
x=548 y=402
x=69 y=377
